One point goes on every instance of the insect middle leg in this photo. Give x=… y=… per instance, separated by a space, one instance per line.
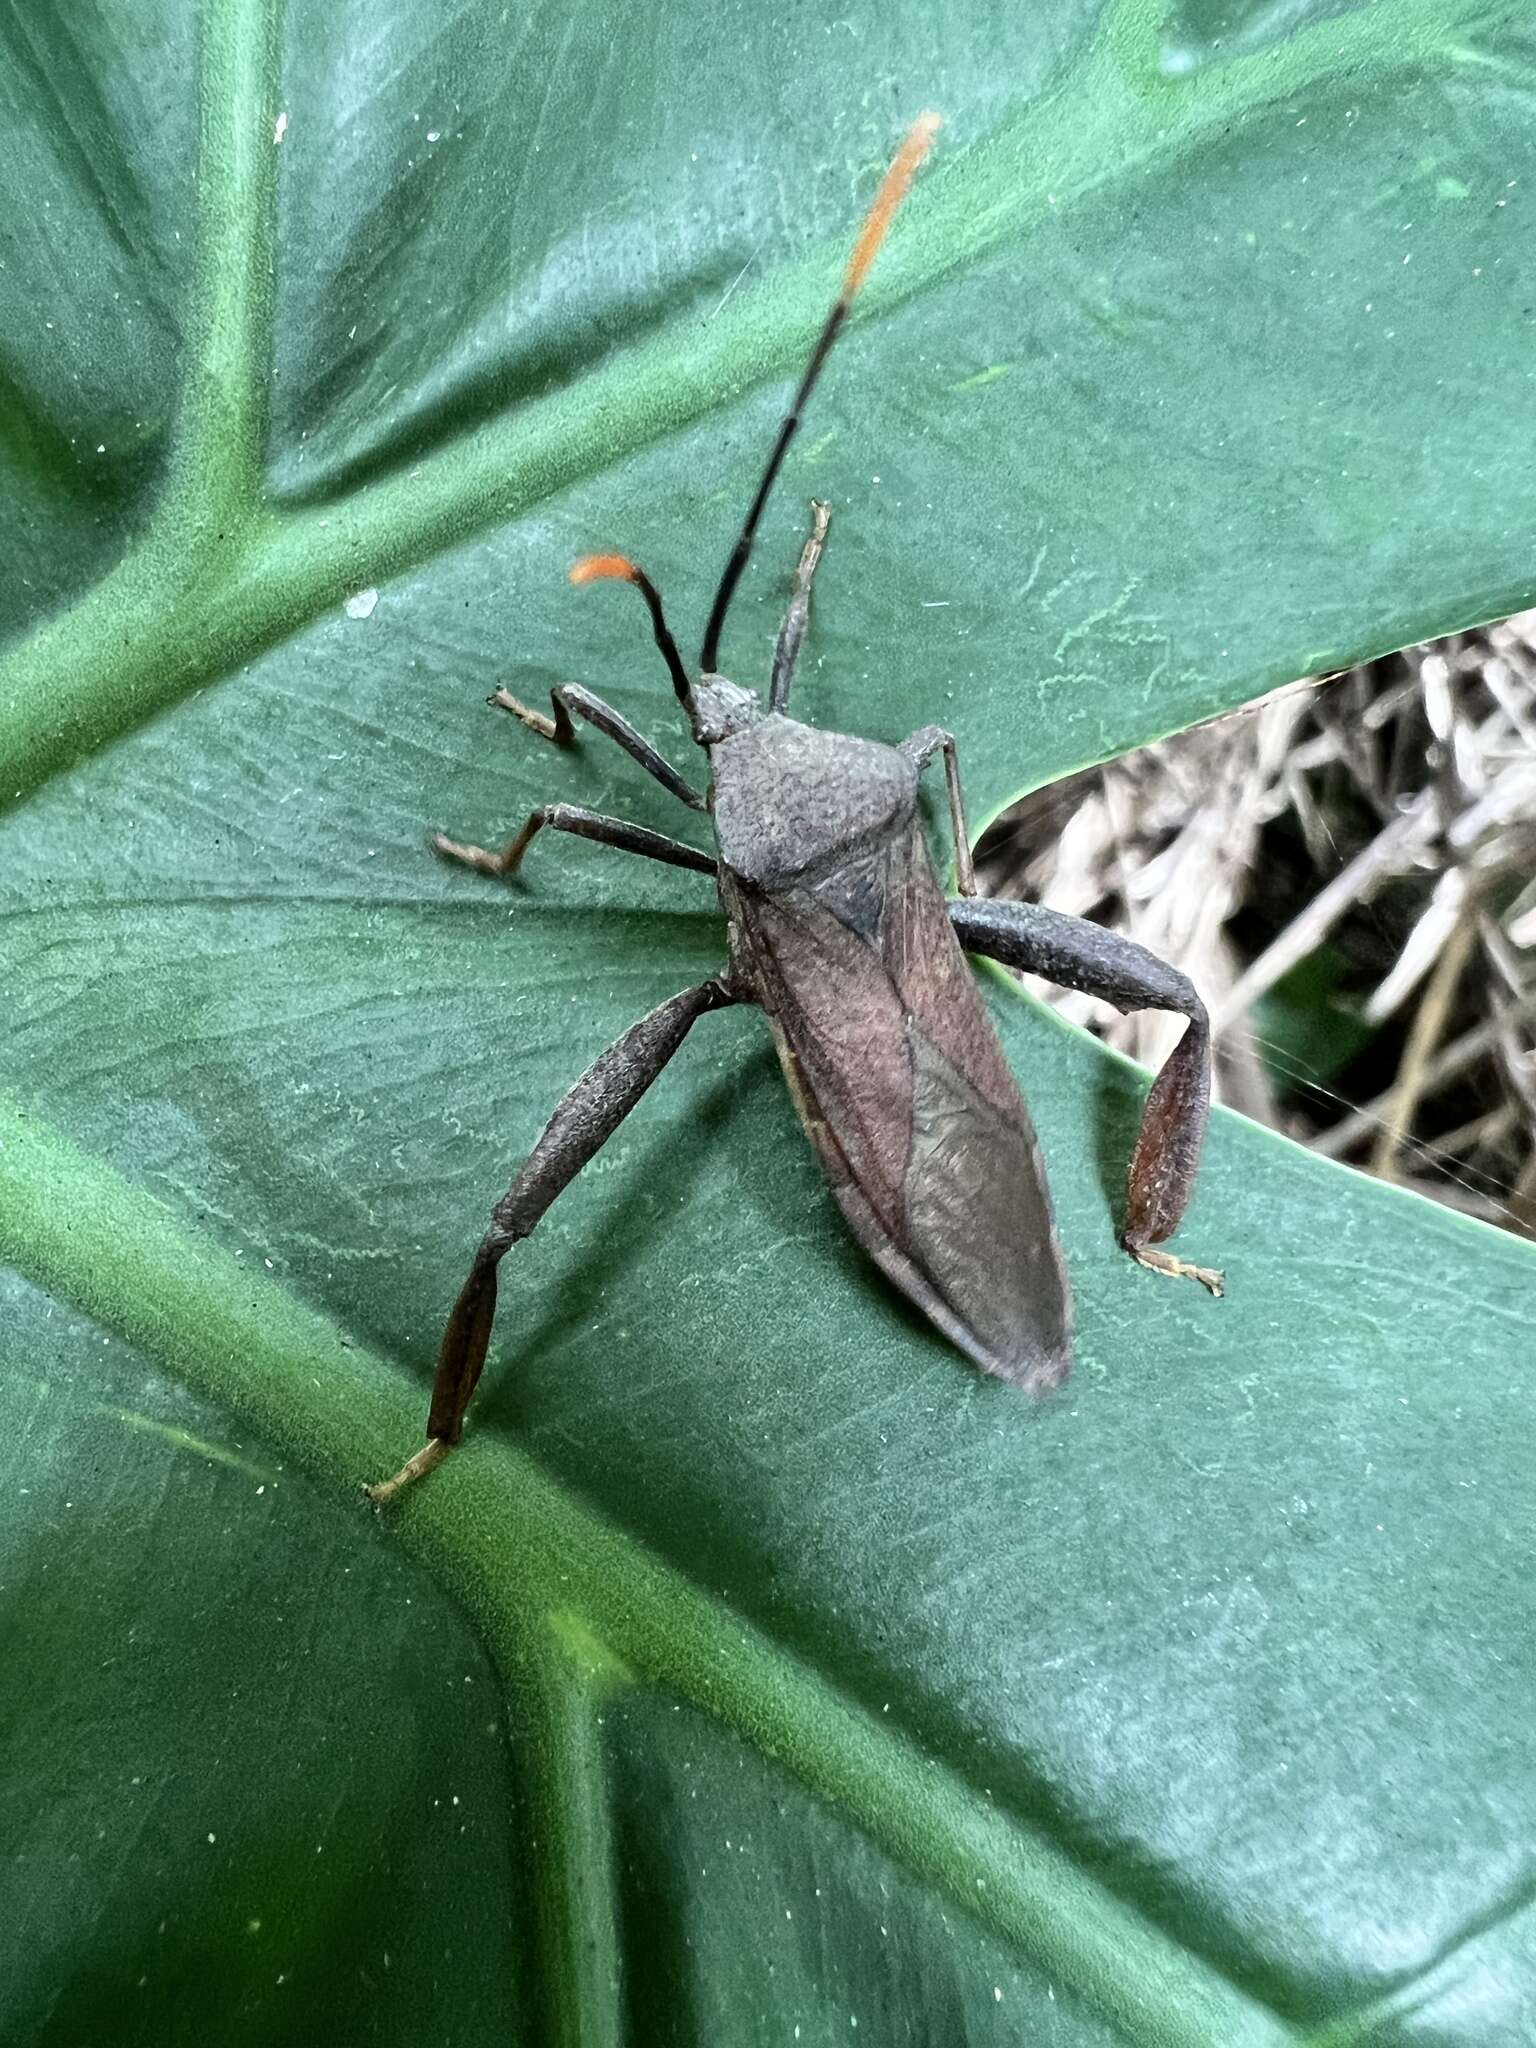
x=584 y=1120
x=786 y=650
x=569 y=698
x=1075 y=953
x=920 y=750
x=586 y=825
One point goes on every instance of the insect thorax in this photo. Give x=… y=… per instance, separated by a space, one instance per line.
x=788 y=797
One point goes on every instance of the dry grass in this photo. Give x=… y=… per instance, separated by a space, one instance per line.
x=1346 y=872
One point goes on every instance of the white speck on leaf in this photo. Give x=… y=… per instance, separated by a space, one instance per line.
x=361 y=603
x=279 y=128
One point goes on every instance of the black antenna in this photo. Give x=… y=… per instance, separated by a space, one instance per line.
x=893 y=189
x=591 y=567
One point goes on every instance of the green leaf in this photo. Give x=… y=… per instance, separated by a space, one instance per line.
x=756 y=1669
x=1309 y=1025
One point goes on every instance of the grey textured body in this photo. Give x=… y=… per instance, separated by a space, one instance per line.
x=839 y=929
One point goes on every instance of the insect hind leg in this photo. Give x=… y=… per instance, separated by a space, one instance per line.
x=1076 y=953
x=582 y=1123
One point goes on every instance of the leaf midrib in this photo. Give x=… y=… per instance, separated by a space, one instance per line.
x=527 y=1558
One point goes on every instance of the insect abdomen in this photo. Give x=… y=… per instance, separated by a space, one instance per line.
x=903 y=1088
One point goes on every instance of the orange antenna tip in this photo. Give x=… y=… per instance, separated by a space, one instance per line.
x=592 y=567
x=893 y=189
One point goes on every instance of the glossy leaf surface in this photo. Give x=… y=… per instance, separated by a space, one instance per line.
x=756 y=1667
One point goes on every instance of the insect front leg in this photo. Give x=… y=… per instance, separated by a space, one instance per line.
x=920 y=750
x=786 y=650
x=569 y=698
x=584 y=1121
x=586 y=825
x=1075 y=953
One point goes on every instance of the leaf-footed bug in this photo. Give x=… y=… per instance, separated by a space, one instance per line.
x=840 y=933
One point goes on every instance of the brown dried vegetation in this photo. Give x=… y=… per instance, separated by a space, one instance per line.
x=1347 y=870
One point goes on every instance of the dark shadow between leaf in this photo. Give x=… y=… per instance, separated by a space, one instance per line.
x=660 y=1998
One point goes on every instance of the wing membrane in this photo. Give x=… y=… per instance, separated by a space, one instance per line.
x=903 y=1089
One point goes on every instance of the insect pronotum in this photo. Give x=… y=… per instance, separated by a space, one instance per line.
x=840 y=933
